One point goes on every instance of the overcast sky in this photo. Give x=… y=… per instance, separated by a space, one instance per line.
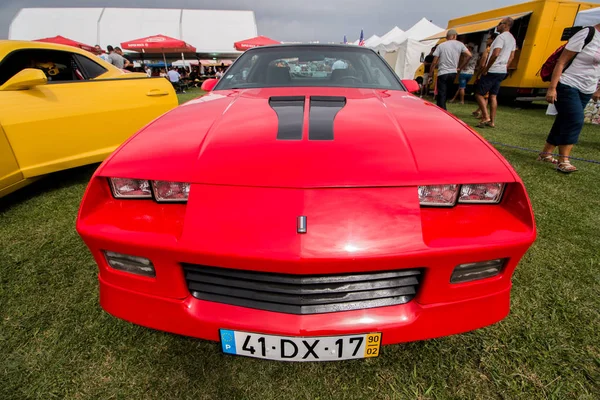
x=298 y=20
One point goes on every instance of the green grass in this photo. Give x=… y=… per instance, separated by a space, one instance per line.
x=190 y=94
x=56 y=342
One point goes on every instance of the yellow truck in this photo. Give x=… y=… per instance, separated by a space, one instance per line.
x=541 y=26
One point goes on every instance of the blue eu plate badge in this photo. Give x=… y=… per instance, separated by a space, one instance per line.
x=228 y=341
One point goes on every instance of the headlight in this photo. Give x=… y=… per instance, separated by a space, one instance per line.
x=161 y=191
x=165 y=191
x=489 y=193
x=450 y=195
x=123 y=188
x=438 y=195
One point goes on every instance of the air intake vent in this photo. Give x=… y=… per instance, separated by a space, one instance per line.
x=302 y=294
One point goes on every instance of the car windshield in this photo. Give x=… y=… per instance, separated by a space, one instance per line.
x=324 y=66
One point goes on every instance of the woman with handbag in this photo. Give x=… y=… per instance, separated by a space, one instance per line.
x=574 y=83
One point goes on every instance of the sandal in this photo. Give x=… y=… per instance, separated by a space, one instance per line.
x=547 y=158
x=486 y=124
x=566 y=167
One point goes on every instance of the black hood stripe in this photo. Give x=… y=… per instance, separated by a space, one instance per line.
x=323 y=110
x=290 y=111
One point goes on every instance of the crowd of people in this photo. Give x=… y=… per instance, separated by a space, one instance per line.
x=180 y=77
x=574 y=82
x=453 y=59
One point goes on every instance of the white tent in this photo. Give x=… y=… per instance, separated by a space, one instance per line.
x=588 y=17
x=403 y=51
x=185 y=63
x=412 y=51
x=371 y=40
x=423 y=29
x=210 y=31
x=409 y=57
x=390 y=40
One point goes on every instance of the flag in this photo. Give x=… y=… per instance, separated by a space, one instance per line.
x=361 y=42
x=345 y=40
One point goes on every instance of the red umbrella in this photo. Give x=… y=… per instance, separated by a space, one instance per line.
x=158 y=44
x=254 y=42
x=66 y=41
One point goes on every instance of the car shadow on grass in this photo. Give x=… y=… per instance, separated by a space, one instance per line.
x=48 y=184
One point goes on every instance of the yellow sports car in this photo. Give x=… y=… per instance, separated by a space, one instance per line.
x=62 y=107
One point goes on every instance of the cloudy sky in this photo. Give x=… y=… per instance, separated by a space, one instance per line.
x=298 y=20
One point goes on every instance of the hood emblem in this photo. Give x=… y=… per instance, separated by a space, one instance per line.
x=302 y=224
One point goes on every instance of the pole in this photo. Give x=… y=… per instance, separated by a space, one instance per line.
x=165 y=60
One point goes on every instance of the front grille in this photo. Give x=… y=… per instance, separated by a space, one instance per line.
x=302 y=294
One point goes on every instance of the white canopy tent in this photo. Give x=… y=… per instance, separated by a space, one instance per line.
x=396 y=35
x=210 y=31
x=588 y=17
x=404 y=51
x=185 y=63
x=410 y=55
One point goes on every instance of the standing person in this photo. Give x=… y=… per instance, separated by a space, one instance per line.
x=116 y=59
x=570 y=90
x=447 y=56
x=481 y=66
x=465 y=76
x=501 y=55
x=126 y=61
x=100 y=53
x=427 y=72
x=174 y=78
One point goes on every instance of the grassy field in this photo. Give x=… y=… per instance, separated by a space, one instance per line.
x=56 y=342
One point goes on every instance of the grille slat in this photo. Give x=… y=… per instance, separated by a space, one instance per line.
x=305 y=298
x=300 y=289
x=297 y=279
x=301 y=294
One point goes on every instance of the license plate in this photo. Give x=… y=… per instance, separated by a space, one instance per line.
x=292 y=348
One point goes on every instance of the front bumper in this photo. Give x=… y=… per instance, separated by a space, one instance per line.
x=403 y=323
x=350 y=231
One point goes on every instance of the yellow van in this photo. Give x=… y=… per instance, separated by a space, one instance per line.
x=541 y=26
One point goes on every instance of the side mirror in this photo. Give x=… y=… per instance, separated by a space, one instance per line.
x=411 y=85
x=209 y=84
x=26 y=79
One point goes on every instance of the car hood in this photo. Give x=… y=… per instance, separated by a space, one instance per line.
x=380 y=138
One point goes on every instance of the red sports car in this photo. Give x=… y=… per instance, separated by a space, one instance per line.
x=307 y=215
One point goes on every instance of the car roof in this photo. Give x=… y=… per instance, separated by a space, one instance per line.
x=311 y=45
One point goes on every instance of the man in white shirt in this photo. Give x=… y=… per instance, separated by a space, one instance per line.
x=447 y=56
x=174 y=78
x=494 y=72
x=100 y=53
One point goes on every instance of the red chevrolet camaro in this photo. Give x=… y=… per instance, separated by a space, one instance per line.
x=309 y=208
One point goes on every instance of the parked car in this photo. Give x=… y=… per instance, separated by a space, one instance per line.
x=63 y=107
x=307 y=218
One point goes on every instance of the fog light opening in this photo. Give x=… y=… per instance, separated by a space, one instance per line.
x=478 y=270
x=132 y=264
